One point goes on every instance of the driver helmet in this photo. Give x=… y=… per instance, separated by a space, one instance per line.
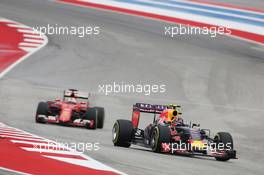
x=72 y=100
x=169 y=115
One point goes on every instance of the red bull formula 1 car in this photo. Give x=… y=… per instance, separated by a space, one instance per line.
x=73 y=110
x=175 y=138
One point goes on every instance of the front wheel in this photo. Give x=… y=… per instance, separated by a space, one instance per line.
x=160 y=135
x=100 y=117
x=42 y=112
x=91 y=115
x=224 y=141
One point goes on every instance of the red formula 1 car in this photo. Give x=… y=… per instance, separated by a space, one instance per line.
x=72 y=110
x=171 y=135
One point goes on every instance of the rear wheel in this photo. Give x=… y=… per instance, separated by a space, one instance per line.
x=43 y=109
x=91 y=114
x=160 y=135
x=224 y=141
x=122 y=133
x=100 y=117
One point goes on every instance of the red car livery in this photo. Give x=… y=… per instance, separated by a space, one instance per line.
x=73 y=110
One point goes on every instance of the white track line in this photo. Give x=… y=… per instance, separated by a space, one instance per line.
x=28 y=49
x=37 y=41
x=7 y=129
x=9 y=132
x=32 y=36
x=42 y=150
x=32 y=143
x=22 y=138
x=19 y=26
x=28 y=44
x=84 y=163
x=18 y=135
x=27 y=31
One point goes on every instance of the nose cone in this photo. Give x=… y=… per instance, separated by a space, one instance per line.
x=65 y=115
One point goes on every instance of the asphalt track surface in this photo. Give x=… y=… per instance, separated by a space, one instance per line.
x=219 y=82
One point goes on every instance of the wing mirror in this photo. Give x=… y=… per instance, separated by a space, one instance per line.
x=195 y=125
x=205 y=132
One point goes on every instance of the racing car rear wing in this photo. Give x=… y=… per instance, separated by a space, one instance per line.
x=148 y=108
x=72 y=93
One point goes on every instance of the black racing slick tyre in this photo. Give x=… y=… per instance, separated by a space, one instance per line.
x=100 y=117
x=226 y=140
x=42 y=109
x=91 y=114
x=122 y=133
x=160 y=135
